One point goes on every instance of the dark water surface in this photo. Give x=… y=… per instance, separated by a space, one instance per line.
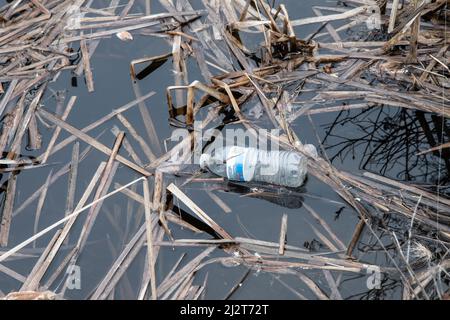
x=250 y=217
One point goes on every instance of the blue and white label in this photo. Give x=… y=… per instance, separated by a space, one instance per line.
x=236 y=164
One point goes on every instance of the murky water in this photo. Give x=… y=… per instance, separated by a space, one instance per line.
x=348 y=145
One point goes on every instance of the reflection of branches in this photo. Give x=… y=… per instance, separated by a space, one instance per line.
x=388 y=288
x=391 y=140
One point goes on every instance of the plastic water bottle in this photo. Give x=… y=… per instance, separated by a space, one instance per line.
x=284 y=168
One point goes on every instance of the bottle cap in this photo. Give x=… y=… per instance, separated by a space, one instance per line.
x=204 y=160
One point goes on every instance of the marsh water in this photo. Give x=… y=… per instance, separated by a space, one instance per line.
x=350 y=140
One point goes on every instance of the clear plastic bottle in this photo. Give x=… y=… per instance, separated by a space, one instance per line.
x=284 y=168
